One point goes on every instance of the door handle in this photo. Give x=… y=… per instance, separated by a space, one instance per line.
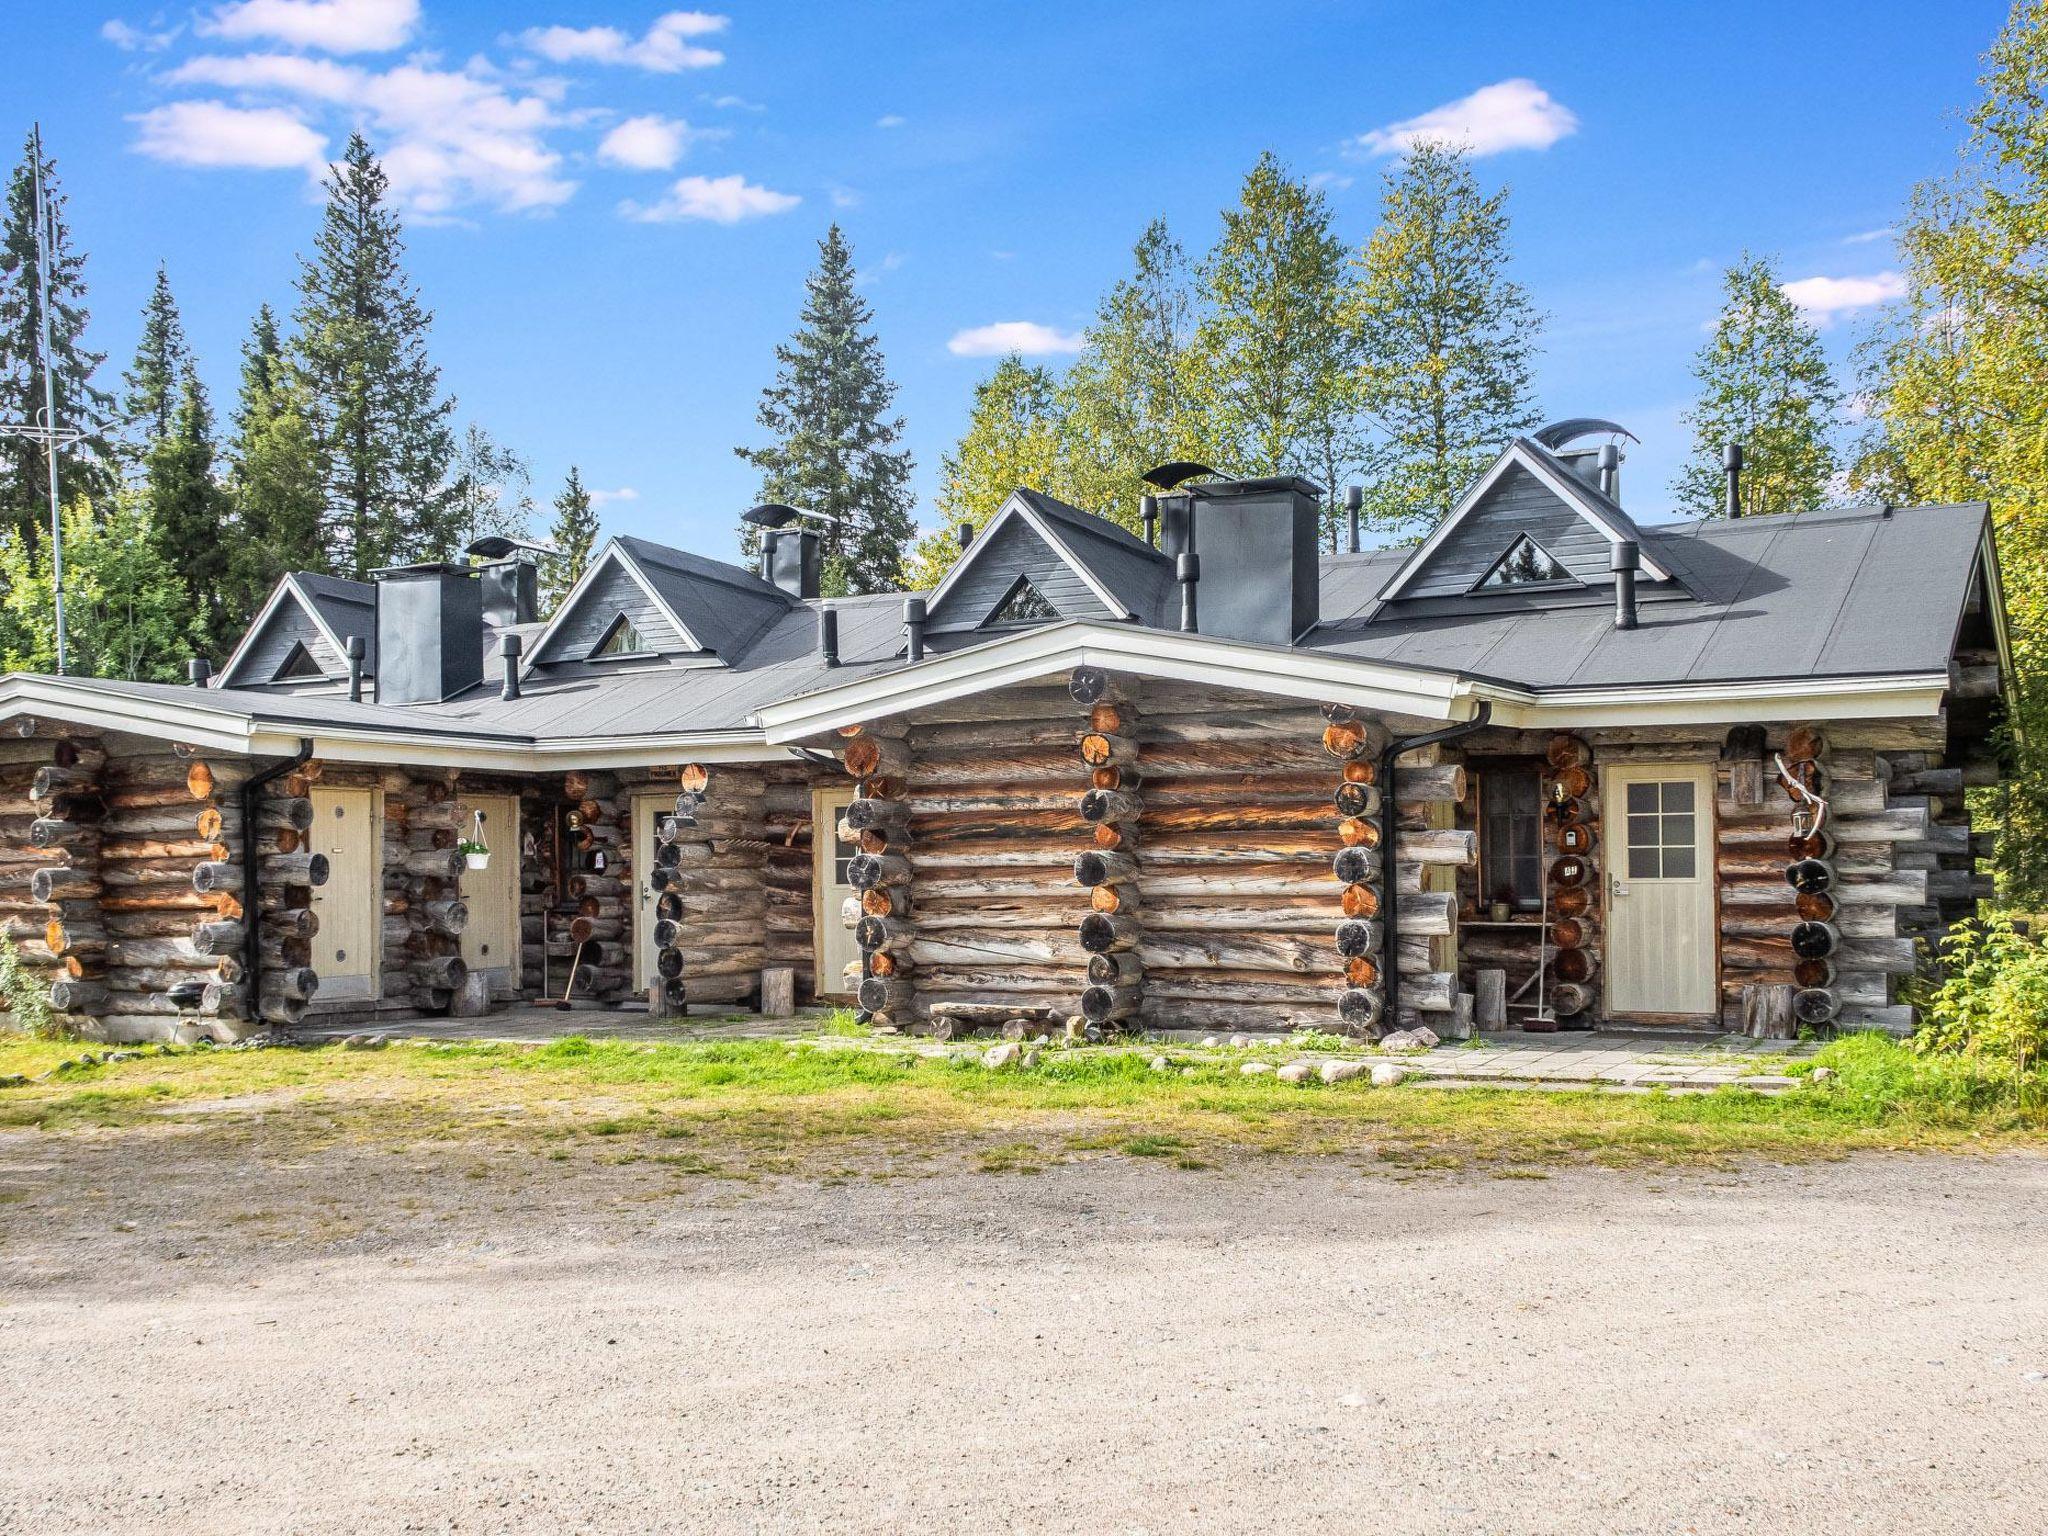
x=1615 y=886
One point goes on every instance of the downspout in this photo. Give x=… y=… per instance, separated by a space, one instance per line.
x=252 y=916
x=1390 y=889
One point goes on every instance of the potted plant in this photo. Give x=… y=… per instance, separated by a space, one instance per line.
x=475 y=855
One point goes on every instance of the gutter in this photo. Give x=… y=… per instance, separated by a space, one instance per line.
x=1390 y=888
x=252 y=916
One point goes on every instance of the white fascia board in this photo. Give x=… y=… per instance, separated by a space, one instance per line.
x=428 y=750
x=74 y=704
x=1899 y=696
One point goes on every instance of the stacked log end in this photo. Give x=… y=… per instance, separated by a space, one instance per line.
x=22 y=919
x=668 y=994
x=430 y=877
x=67 y=796
x=1810 y=872
x=877 y=756
x=1426 y=797
x=601 y=963
x=1571 y=820
x=711 y=903
x=288 y=869
x=1108 y=868
x=1358 y=864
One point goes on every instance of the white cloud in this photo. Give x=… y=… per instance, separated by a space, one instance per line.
x=1335 y=181
x=1868 y=236
x=1823 y=298
x=606 y=498
x=214 y=134
x=338 y=26
x=890 y=120
x=1005 y=336
x=716 y=199
x=134 y=39
x=446 y=137
x=650 y=143
x=845 y=197
x=665 y=48
x=1510 y=114
x=736 y=104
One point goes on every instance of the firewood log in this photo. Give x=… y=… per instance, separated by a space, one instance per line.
x=874 y=756
x=1102 y=1004
x=1099 y=749
x=62 y=883
x=1095 y=867
x=298 y=868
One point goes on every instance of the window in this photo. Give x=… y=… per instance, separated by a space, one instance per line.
x=1525 y=562
x=298 y=666
x=1022 y=604
x=622 y=639
x=1511 y=836
x=1663 y=841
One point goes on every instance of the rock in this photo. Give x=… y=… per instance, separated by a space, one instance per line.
x=1296 y=1072
x=1404 y=1040
x=1160 y=1064
x=1341 y=1071
x=1426 y=1037
x=364 y=1043
x=1040 y=1038
x=1187 y=1071
x=886 y=1029
x=189 y=1034
x=1386 y=1075
x=1077 y=1029
x=1256 y=1068
x=1092 y=1033
x=123 y=1055
x=1013 y=1029
x=1211 y=1041
x=1240 y=1042
x=1030 y=1059
x=13 y=1080
x=996 y=1057
x=1823 y=1074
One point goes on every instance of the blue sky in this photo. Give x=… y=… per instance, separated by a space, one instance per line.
x=613 y=205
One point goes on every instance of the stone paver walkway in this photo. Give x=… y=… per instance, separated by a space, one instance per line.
x=1613 y=1060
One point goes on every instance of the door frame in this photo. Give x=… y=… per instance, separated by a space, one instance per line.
x=640 y=898
x=501 y=846
x=1614 y=845
x=826 y=802
x=370 y=988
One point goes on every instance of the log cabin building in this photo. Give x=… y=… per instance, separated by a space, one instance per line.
x=1548 y=766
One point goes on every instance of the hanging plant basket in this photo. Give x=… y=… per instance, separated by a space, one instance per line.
x=478 y=860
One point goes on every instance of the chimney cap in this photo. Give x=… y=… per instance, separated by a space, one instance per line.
x=1264 y=485
x=1627 y=555
x=496 y=546
x=1731 y=456
x=1174 y=473
x=776 y=514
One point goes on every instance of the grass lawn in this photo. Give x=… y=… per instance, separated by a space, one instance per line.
x=835 y=1106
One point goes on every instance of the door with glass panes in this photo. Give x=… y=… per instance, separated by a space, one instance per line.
x=1658 y=831
x=832 y=851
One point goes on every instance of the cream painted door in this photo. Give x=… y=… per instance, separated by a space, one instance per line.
x=490 y=942
x=348 y=826
x=1658 y=829
x=833 y=944
x=646 y=810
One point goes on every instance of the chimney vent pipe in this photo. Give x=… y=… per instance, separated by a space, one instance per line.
x=1354 y=503
x=354 y=648
x=828 y=635
x=1148 y=513
x=198 y=670
x=913 y=624
x=1610 y=472
x=1188 y=571
x=965 y=534
x=1731 y=465
x=1625 y=560
x=509 y=648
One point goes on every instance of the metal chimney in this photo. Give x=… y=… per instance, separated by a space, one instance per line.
x=965 y=534
x=1610 y=472
x=1354 y=503
x=1187 y=570
x=793 y=558
x=913 y=624
x=1148 y=513
x=354 y=649
x=1731 y=464
x=1624 y=561
x=198 y=670
x=509 y=648
x=430 y=633
x=828 y=635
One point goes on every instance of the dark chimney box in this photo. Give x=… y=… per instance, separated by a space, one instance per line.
x=793 y=558
x=1260 y=543
x=430 y=628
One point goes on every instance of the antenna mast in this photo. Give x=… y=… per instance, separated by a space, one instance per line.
x=52 y=433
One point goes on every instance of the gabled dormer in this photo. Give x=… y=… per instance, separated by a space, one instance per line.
x=298 y=641
x=642 y=603
x=1040 y=561
x=1532 y=529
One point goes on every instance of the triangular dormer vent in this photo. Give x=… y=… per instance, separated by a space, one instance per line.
x=1524 y=563
x=1022 y=604
x=298 y=666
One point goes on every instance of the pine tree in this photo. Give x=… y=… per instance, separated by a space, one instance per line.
x=835 y=448
x=274 y=473
x=124 y=607
x=83 y=467
x=1275 y=355
x=163 y=361
x=1764 y=383
x=375 y=398
x=574 y=535
x=489 y=491
x=1130 y=401
x=1013 y=439
x=1445 y=337
x=186 y=517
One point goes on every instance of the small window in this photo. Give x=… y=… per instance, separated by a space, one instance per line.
x=1022 y=604
x=1511 y=837
x=299 y=666
x=622 y=639
x=1525 y=564
x=1663 y=831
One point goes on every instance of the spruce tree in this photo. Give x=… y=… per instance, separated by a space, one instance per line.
x=376 y=403
x=1445 y=337
x=1765 y=383
x=1274 y=353
x=574 y=535
x=1013 y=439
x=163 y=361
x=186 y=516
x=1131 y=400
x=489 y=491
x=84 y=467
x=835 y=448
x=274 y=473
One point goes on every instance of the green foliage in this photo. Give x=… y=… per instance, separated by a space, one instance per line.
x=380 y=419
x=127 y=614
x=1446 y=339
x=24 y=994
x=188 y=521
x=489 y=491
x=1991 y=999
x=574 y=534
x=1765 y=383
x=274 y=472
x=163 y=363
x=24 y=466
x=1012 y=439
x=835 y=448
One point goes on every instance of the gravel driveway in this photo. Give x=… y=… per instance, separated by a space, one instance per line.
x=363 y=1343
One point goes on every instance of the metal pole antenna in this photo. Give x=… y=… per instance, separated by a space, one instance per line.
x=49 y=391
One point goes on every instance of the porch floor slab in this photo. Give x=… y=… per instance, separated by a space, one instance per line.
x=1615 y=1060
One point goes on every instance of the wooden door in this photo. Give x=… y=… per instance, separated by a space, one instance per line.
x=1658 y=830
x=490 y=942
x=348 y=826
x=834 y=946
x=647 y=809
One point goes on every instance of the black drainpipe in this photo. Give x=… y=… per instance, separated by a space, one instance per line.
x=1390 y=898
x=252 y=916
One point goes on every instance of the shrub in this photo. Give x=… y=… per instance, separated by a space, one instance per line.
x=1992 y=999
x=24 y=993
